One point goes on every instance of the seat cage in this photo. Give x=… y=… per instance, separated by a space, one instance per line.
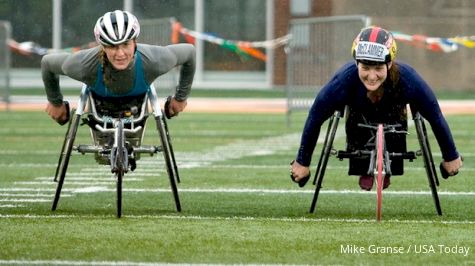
x=360 y=136
x=389 y=158
x=103 y=127
x=117 y=139
x=358 y=158
x=130 y=118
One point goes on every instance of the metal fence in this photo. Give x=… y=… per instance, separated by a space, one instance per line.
x=5 y=32
x=318 y=47
x=158 y=32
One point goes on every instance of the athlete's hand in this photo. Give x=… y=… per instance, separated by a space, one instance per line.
x=173 y=107
x=58 y=113
x=298 y=171
x=451 y=168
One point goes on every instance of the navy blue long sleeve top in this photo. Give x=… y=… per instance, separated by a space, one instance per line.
x=346 y=89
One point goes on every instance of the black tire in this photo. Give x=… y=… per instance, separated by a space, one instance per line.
x=428 y=160
x=64 y=157
x=172 y=153
x=168 y=160
x=326 y=151
x=429 y=150
x=319 y=165
x=119 y=176
x=63 y=148
x=122 y=165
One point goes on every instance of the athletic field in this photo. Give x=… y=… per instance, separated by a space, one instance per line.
x=238 y=203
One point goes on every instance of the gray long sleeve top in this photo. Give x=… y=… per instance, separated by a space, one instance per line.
x=83 y=66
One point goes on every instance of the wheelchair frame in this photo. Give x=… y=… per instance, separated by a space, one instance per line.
x=119 y=154
x=379 y=160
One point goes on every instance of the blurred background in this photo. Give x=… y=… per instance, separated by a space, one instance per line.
x=307 y=40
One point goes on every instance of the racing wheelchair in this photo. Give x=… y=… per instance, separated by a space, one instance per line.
x=117 y=129
x=380 y=156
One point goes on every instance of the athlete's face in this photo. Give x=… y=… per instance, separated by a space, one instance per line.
x=373 y=76
x=121 y=55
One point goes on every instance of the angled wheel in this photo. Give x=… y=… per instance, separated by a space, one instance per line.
x=429 y=151
x=63 y=151
x=167 y=152
x=172 y=153
x=169 y=160
x=327 y=135
x=326 y=151
x=64 y=157
x=428 y=159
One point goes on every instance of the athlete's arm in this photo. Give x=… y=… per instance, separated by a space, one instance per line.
x=332 y=96
x=185 y=54
x=422 y=98
x=51 y=68
x=158 y=60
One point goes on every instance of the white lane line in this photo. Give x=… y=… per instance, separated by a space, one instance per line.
x=29 y=152
x=88 y=178
x=237 y=190
x=247 y=218
x=24 y=200
x=89 y=183
x=76 y=183
x=85 y=263
x=11 y=205
x=26 y=195
x=236 y=150
x=147 y=168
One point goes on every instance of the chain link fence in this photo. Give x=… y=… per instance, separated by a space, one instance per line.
x=158 y=32
x=318 y=47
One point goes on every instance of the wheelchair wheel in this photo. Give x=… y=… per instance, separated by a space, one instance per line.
x=172 y=153
x=426 y=140
x=64 y=156
x=428 y=160
x=379 y=168
x=61 y=155
x=326 y=151
x=169 y=161
x=119 y=176
x=120 y=164
x=319 y=165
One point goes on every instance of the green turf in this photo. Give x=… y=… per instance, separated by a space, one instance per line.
x=238 y=204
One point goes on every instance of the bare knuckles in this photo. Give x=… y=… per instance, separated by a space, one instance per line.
x=57 y=113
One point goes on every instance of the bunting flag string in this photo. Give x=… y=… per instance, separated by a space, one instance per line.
x=26 y=48
x=243 y=48
x=254 y=49
x=32 y=48
x=436 y=44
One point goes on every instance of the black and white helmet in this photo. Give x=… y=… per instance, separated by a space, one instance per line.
x=116 y=27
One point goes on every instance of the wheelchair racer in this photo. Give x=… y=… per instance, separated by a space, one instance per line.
x=119 y=66
x=376 y=86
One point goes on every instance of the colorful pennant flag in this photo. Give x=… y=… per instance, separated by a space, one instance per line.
x=254 y=49
x=436 y=44
x=243 y=48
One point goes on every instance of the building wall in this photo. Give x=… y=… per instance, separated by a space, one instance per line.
x=282 y=17
x=433 y=18
x=281 y=21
